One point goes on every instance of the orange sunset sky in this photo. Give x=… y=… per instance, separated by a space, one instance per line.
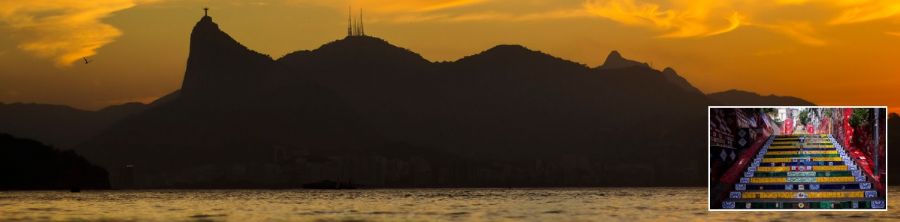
x=831 y=52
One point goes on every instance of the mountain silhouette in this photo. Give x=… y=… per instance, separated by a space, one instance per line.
x=743 y=98
x=29 y=165
x=362 y=109
x=615 y=61
x=520 y=117
x=60 y=126
x=681 y=82
x=219 y=67
x=508 y=116
x=242 y=120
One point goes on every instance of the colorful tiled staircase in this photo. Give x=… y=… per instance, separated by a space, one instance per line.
x=803 y=172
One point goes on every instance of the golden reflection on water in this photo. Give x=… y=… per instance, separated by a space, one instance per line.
x=577 y=204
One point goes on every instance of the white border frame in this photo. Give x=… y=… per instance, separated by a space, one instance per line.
x=709 y=155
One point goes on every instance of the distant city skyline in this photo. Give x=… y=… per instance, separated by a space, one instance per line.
x=827 y=52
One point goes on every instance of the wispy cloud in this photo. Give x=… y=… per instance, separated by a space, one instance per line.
x=534 y=16
x=856 y=11
x=800 y=31
x=67 y=30
x=700 y=18
x=695 y=19
x=406 y=11
x=438 y=5
x=63 y=30
x=487 y=16
x=394 y=6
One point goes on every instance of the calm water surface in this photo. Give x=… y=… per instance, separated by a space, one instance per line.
x=582 y=204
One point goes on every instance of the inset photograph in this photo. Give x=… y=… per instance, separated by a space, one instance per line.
x=797 y=158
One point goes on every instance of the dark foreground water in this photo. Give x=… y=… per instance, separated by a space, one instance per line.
x=582 y=204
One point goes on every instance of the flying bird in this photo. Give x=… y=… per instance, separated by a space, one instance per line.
x=86 y=61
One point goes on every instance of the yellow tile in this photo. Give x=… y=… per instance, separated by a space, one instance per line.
x=788 y=168
x=786 y=159
x=802 y=152
x=810 y=195
x=835 y=179
x=768 y=180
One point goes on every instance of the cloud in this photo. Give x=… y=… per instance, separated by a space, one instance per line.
x=412 y=5
x=487 y=16
x=426 y=6
x=686 y=19
x=800 y=31
x=67 y=30
x=63 y=30
x=495 y=16
x=791 y=2
x=393 y=6
x=406 y=11
x=856 y=11
x=796 y=19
